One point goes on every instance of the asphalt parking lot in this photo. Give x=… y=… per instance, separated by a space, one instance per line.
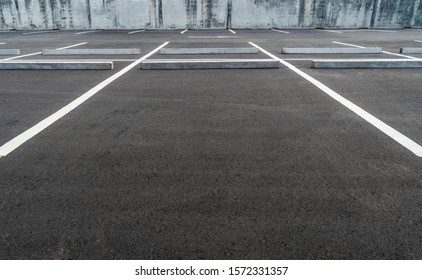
x=210 y=164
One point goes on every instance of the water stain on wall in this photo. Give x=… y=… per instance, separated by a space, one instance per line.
x=71 y=14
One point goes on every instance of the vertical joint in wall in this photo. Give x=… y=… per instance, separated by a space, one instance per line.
x=229 y=14
x=374 y=13
x=321 y=14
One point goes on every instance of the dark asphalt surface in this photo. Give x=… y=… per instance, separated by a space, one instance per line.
x=211 y=164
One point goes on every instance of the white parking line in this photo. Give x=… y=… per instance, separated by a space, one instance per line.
x=232 y=31
x=390 y=53
x=31 y=132
x=40 y=32
x=68 y=47
x=186 y=30
x=332 y=31
x=136 y=31
x=36 y=53
x=281 y=31
x=2 y=43
x=383 y=127
x=20 y=56
x=345 y=44
x=85 y=32
x=419 y=41
x=401 y=55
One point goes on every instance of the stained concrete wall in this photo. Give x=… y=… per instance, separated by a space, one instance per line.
x=130 y=14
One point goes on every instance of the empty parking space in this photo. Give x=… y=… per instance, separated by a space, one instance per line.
x=211 y=164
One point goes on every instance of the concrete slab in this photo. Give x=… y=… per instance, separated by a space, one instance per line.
x=331 y=50
x=55 y=65
x=9 y=51
x=410 y=50
x=209 y=51
x=165 y=64
x=90 y=51
x=366 y=63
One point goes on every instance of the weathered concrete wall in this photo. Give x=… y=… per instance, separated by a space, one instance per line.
x=130 y=14
x=398 y=13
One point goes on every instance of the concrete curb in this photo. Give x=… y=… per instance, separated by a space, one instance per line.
x=208 y=51
x=55 y=65
x=331 y=50
x=89 y=51
x=9 y=51
x=366 y=63
x=411 y=50
x=164 y=64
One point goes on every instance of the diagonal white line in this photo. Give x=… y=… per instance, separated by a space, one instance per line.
x=390 y=53
x=281 y=31
x=383 y=127
x=36 y=53
x=20 y=56
x=136 y=31
x=31 y=132
x=68 y=47
x=332 y=31
x=350 y=45
x=85 y=32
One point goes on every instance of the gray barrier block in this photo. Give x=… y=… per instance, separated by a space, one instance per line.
x=164 y=64
x=331 y=50
x=90 y=51
x=208 y=51
x=55 y=65
x=411 y=50
x=9 y=51
x=366 y=63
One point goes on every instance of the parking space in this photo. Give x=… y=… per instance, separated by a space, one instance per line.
x=211 y=164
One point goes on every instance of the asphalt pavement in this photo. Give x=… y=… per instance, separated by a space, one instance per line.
x=211 y=164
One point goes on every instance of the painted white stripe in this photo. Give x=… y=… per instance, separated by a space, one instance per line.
x=332 y=31
x=40 y=32
x=401 y=55
x=232 y=31
x=36 y=53
x=90 y=31
x=20 y=56
x=345 y=44
x=186 y=30
x=136 y=31
x=281 y=31
x=68 y=47
x=390 y=53
x=31 y=132
x=383 y=127
x=419 y=41
x=2 y=43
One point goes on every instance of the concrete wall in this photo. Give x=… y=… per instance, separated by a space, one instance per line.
x=130 y=14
